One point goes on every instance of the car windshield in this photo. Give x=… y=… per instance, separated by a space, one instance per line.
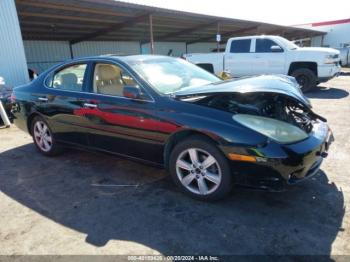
x=168 y=75
x=290 y=45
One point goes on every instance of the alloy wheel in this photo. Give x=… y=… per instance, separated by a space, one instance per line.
x=198 y=171
x=42 y=136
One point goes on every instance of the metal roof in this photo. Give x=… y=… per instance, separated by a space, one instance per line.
x=81 y=20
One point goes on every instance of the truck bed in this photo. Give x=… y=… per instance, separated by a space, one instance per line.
x=212 y=61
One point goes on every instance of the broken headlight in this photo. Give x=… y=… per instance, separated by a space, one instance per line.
x=277 y=130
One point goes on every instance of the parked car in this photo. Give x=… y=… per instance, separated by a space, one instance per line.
x=256 y=55
x=344 y=56
x=209 y=133
x=5 y=98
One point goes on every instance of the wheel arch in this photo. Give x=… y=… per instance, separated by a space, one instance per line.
x=180 y=135
x=299 y=65
x=30 y=120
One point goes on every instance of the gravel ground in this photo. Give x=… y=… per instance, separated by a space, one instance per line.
x=89 y=203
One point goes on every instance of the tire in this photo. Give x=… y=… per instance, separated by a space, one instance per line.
x=200 y=182
x=43 y=138
x=306 y=78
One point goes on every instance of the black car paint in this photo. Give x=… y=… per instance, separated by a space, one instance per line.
x=151 y=127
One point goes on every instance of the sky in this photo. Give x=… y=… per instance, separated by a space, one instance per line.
x=282 y=12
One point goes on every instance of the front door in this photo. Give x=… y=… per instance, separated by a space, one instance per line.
x=269 y=57
x=117 y=123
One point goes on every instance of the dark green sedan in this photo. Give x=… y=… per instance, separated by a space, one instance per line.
x=208 y=133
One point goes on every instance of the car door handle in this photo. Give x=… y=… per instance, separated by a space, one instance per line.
x=90 y=105
x=43 y=99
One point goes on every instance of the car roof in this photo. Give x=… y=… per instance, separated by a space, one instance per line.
x=118 y=57
x=132 y=58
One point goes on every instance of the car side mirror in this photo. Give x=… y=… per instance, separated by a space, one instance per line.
x=276 y=49
x=132 y=92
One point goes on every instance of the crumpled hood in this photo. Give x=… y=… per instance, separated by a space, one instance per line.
x=280 y=84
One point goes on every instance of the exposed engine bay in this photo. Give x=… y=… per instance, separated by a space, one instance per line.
x=271 y=105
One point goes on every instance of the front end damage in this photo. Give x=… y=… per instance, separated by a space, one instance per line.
x=271 y=105
x=277 y=163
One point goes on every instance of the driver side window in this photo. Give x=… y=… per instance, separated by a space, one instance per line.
x=265 y=46
x=110 y=79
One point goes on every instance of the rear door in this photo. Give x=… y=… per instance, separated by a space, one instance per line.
x=269 y=57
x=64 y=94
x=239 y=58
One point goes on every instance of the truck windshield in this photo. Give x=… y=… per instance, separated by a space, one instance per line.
x=288 y=44
x=168 y=75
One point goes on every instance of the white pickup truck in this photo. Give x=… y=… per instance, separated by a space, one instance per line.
x=256 y=55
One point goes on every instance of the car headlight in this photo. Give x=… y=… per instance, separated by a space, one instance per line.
x=329 y=59
x=277 y=130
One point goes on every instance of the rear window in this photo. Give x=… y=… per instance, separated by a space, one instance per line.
x=240 y=46
x=69 y=78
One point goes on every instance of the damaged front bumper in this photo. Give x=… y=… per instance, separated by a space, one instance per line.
x=279 y=165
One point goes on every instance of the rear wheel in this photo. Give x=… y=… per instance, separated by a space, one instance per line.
x=43 y=137
x=200 y=169
x=306 y=78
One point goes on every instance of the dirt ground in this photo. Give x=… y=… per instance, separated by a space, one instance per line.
x=89 y=203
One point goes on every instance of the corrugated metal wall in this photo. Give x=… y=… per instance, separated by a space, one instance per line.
x=13 y=65
x=105 y=47
x=163 y=48
x=43 y=54
x=201 y=47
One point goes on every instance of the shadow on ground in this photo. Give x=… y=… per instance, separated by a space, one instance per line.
x=322 y=92
x=84 y=191
x=345 y=73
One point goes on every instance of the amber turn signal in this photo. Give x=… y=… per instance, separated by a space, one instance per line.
x=237 y=157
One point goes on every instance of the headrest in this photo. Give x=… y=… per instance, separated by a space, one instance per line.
x=107 y=72
x=69 y=79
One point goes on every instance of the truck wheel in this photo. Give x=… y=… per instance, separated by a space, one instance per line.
x=306 y=78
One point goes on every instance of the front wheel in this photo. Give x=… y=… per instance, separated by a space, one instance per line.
x=306 y=78
x=43 y=137
x=200 y=169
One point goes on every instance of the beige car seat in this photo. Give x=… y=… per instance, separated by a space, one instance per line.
x=108 y=80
